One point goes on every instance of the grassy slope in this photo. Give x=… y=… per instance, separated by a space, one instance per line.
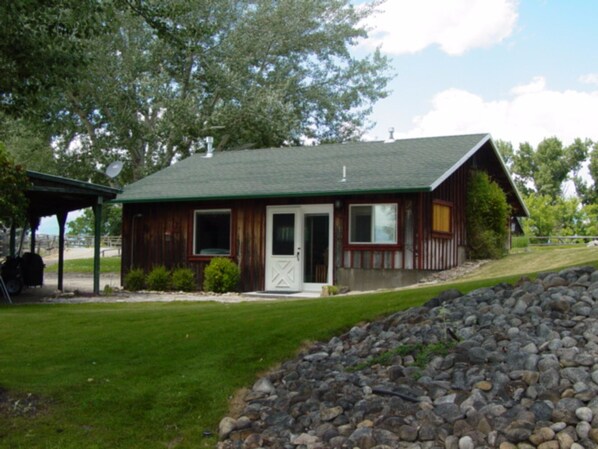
x=535 y=259
x=150 y=375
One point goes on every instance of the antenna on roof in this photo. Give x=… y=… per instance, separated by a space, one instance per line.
x=391 y=137
x=209 y=147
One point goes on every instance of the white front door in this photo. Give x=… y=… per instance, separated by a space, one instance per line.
x=298 y=247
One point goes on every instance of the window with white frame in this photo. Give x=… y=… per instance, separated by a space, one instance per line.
x=212 y=232
x=373 y=224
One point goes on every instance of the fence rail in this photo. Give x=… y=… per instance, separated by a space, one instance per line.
x=49 y=243
x=561 y=239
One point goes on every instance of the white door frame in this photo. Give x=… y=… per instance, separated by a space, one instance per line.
x=272 y=270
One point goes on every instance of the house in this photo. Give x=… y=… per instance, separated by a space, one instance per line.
x=364 y=215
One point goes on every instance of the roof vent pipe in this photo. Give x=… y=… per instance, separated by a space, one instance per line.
x=391 y=137
x=209 y=146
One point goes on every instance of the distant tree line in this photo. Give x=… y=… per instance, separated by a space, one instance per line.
x=561 y=200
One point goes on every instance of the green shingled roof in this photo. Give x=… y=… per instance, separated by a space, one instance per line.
x=407 y=165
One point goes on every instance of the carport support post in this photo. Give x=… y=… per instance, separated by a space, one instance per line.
x=61 y=217
x=97 y=212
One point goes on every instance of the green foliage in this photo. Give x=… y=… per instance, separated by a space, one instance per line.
x=183 y=279
x=43 y=47
x=488 y=215
x=134 y=280
x=27 y=143
x=13 y=185
x=520 y=241
x=221 y=275
x=544 y=170
x=85 y=223
x=563 y=216
x=158 y=279
x=146 y=82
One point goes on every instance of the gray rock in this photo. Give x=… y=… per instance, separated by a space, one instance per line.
x=466 y=442
x=524 y=372
x=226 y=427
x=264 y=385
x=407 y=433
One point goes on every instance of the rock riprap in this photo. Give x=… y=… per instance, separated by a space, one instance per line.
x=503 y=367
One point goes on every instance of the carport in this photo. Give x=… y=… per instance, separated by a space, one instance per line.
x=55 y=195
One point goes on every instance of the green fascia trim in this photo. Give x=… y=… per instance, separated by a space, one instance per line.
x=74 y=182
x=282 y=195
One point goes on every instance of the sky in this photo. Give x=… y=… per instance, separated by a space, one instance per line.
x=519 y=70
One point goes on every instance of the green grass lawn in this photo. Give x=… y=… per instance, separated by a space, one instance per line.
x=157 y=375
x=107 y=265
x=536 y=258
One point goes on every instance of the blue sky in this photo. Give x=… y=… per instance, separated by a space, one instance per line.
x=521 y=70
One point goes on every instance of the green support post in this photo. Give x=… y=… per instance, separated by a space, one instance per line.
x=97 y=211
x=61 y=217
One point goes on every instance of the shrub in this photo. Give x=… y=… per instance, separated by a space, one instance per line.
x=487 y=217
x=135 y=280
x=158 y=279
x=183 y=279
x=221 y=275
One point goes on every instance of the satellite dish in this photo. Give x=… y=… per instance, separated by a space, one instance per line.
x=114 y=169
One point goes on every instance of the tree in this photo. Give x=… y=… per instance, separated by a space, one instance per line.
x=589 y=193
x=85 y=223
x=250 y=73
x=544 y=170
x=487 y=212
x=42 y=48
x=13 y=185
x=506 y=151
x=27 y=144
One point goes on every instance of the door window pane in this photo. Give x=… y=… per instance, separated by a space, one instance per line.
x=283 y=234
x=315 y=248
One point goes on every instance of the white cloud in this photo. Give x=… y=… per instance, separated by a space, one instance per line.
x=589 y=78
x=407 y=26
x=532 y=113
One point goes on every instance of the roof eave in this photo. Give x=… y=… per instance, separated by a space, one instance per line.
x=74 y=182
x=273 y=195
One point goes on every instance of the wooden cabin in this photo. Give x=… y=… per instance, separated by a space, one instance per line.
x=365 y=215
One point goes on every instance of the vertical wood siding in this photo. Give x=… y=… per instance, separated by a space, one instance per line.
x=162 y=234
x=436 y=252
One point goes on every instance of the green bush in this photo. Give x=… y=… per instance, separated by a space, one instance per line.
x=135 y=280
x=221 y=275
x=183 y=279
x=158 y=279
x=488 y=215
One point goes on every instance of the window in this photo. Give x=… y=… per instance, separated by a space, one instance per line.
x=211 y=235
x=441 y=218
x=283 y=234
x=373 y=224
